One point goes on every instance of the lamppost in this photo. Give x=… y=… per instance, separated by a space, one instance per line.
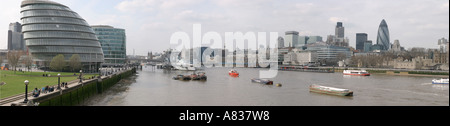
x=59 y=85
x=100 y=72
x=81 y=76
x=26 y=91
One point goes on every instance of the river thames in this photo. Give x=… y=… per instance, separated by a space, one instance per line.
x=157 y=88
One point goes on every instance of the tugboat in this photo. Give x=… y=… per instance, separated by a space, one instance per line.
x=233 y=73
x=262 y=81
x=356 y=72
x=330 y=90
x=441 y=81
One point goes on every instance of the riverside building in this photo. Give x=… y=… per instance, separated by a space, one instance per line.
x=113 y=42
x=51 y=28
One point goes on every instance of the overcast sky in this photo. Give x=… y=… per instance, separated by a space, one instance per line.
x=150 y=23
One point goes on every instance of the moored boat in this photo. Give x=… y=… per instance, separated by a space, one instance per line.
x=440 y=81
x=182 y=77
x=200 y=76
x=330 y=90
x=356 y=72
x=233 y=73
x=262 y=81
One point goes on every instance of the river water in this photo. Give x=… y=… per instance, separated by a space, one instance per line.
x=157 y=88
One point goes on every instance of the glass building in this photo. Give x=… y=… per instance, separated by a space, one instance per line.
x=113 y=41
x=15 y=37
x=383 y=36
x=329 y=51
x=291 y=39
x=340 y=30
x=50 y=28
x=361 y=39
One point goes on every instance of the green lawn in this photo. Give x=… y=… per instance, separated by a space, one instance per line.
x=33 y=73
x=15 y=82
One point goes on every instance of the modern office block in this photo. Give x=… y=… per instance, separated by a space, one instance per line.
x=113 y=42
x=361 y=38
x=383 y=36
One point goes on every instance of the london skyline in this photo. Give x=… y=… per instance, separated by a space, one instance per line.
x=150 y=23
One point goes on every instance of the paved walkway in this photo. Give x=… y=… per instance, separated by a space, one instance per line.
x=18 y=99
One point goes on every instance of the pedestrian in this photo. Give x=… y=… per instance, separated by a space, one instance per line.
x=36 y=92
x=52 y=88
x=47 y=88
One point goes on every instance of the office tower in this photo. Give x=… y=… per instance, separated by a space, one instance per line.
x=361 y=38
x=291 y=39
x=50 y=28
x=113 y=42
x=313 y=39
x=368 y=46
x=383 y=36
x=302 y=40
x=442 y=43
x=15 y=37
x=280 y=42
x=340 y=30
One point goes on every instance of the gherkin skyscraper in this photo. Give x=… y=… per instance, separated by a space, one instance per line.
x=383 y=36
x=50 y=28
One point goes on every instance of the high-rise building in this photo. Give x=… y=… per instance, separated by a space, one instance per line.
x=15 y=37
x=291 y=39
x=340 y=30
x=383 y=36
x=280 y=42
x=339 y=38
x=113 y=42
x=50 y=28
x=361 y=38
x=314 y=39
x=303 y=40
x=368 y=46
x=442 y=43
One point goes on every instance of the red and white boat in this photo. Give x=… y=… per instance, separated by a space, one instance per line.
x=356 y=72
x=233 y=73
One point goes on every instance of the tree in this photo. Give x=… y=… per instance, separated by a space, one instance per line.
x=341 y=56
x=28 y=61
x=58 y=63
x=75 y=62
x=13 y=59
x=46 y=63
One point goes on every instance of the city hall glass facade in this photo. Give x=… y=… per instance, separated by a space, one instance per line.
x=113 y=42
x=50 y=28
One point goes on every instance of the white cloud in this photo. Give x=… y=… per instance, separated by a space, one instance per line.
x=149 y=23
x=304 y=8
x=337 y=19
x=136 y=5
x=445 y=6
x=171 y=4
